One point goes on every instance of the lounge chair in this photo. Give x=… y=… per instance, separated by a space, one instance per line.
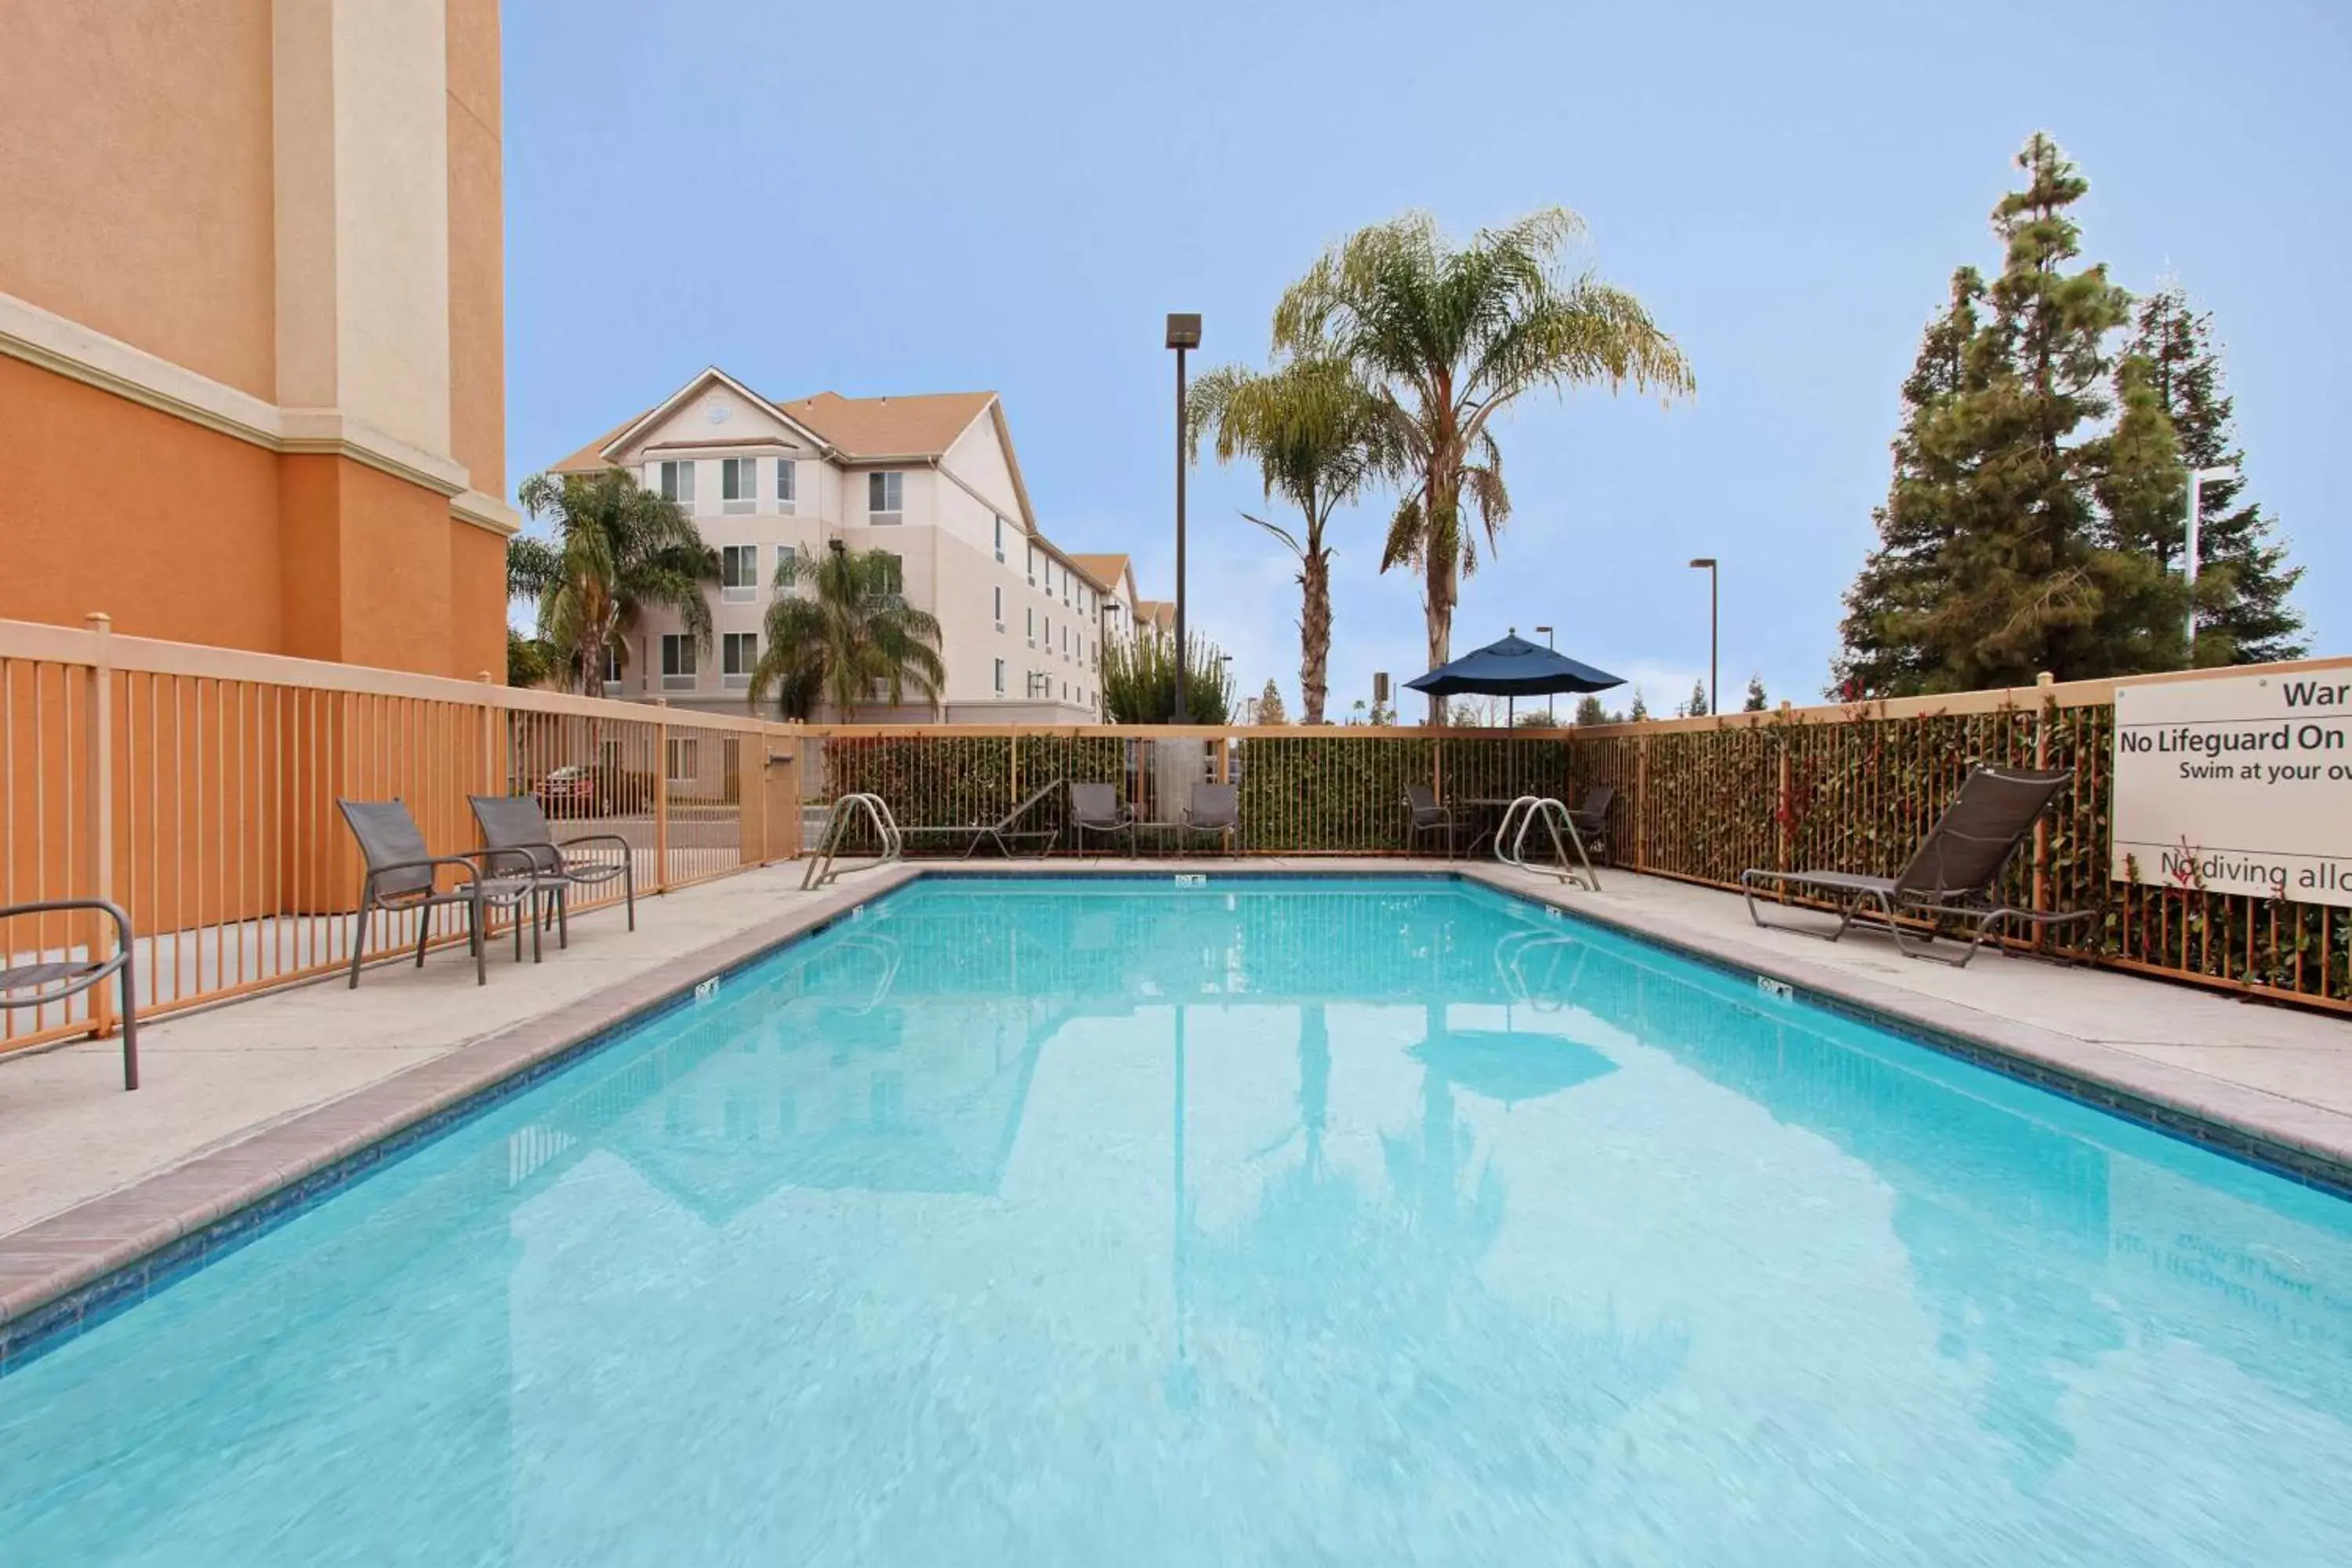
x=1591 y=819
x=1216 y=809
x=55 y=980
x=1096 y=808
x=518 y=841
x=401 y=876
x=1004 y=832
x=1955 y=873
x=1427 y=816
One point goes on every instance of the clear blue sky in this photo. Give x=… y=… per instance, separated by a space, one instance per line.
x=891 y=199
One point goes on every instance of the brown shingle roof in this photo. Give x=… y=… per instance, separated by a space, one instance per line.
x=924 y=425
x=591 y=458
x=1108 y=570
x=1159 y=613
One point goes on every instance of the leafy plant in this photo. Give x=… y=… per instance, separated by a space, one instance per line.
x=1139 y=680
x=853 y=636
x=618 y=551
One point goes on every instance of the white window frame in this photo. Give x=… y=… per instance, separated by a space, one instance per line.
x=612 y=670
x=678 y=649
x=1033 y=566
x=728 y=642
x=1032 y=613
x=742 y=593
x=739 y=485
x=886 y=480
x=999 y=677
x=788 y=485
x=686 y=749
x=899 y=591
x=1000 y=606
x=675 y=479
x=1000 y=545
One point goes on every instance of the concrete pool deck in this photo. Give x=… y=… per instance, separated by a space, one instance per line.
x=243 y=1100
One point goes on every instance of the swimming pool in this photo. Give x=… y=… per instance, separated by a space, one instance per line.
x=1368 y=1221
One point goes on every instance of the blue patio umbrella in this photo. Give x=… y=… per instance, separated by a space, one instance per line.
x=1513 y=667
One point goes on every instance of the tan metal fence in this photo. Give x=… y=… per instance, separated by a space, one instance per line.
x=195 y=787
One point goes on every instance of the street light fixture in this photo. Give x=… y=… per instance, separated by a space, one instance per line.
x=1184 y=334
x=2197 y=479
x=1551 y=715
x=1714 y=622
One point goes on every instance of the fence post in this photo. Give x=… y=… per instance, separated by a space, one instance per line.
x=1784 y=810
x=1013 y=749
x=2042 y=823
x=102 y=810
x=661 y=795
x=1642 y=803
x=493 y=764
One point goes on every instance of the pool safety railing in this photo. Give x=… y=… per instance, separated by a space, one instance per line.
x=843 y=820
x=1520 y=819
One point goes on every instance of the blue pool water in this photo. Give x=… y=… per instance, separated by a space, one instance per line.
x=1368 y=1222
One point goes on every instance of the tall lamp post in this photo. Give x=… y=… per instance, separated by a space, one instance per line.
x=1551 y=714
x=1714 y=604
x=1183 y=332
x=2197 y=479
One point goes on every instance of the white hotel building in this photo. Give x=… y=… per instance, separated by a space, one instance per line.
x=931 y=479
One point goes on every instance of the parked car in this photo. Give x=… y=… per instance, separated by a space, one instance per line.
x=567 y=791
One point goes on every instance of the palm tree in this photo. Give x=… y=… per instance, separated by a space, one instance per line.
x=1317 y=433
x=1448 y=338
x=619 y=549
x=856 y=630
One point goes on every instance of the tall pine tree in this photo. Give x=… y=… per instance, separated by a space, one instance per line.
x=2035 y=517
x=2244 y=580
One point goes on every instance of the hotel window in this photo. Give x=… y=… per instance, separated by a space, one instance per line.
x=739 y=484
x=738 y=573
x=886 y=496
x=678 y=484
x=685 y=758
x=784 y=552
x=1049 y=576
x=892 y=573
x=1000 y=540
x=738 y=652
x=787 y=483
x=678 y=662
x=1033 y=566
x=999 y=677
x=612 y=670
x=1000 y=608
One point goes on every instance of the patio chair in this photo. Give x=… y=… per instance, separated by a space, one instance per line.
x=1096 y=808
x=1215 y=808
x=402 y=877
x=50 y=981
x=1956 y=872
x=1004 y=832
x=517 y=840
x=1591 y=819
x=1427 y=816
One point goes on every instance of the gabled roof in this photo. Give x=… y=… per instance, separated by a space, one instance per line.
x=1158 y=613
x=868 y=428
x=1108 y=570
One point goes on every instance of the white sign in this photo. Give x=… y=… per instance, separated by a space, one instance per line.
x=2238 y=784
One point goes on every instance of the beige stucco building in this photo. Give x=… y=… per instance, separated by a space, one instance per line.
x=252 y=322
x=930 y=479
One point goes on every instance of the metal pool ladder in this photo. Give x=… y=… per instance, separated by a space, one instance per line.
x=846 y=810
x=1511 y=849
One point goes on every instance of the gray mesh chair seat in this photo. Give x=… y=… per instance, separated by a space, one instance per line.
x=1214 y=811
x=1005 y=833
x=1096 y=808
x=518 y=842
x=403 y=877
x=45 y=982
x=1955 y=874
x=1591 y=820
x=1427 y=816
